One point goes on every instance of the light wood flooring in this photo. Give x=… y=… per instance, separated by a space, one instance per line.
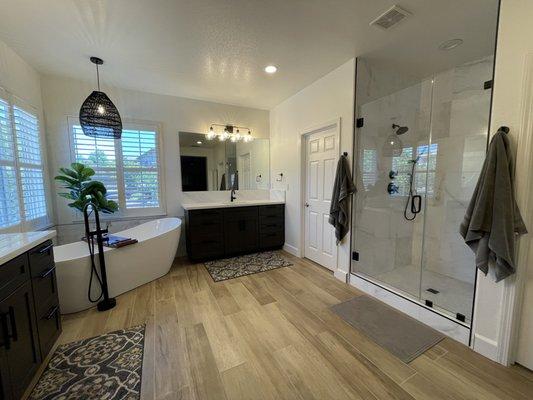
x=272 y=336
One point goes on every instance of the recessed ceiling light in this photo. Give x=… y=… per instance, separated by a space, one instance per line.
x=199 y=142
x=450 y=44
x=271 y=69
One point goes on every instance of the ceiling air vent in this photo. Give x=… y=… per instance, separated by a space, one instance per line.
x=390 y=17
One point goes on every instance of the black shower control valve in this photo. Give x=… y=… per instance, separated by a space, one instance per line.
x=393 y=174
x=392 y=188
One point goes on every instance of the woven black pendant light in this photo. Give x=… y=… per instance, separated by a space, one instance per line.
x=98 y=115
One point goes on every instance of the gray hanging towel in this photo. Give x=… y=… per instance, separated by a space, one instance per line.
x=492 y=219
x=339 y=211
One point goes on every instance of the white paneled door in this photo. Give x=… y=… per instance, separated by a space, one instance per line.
x=322 y=153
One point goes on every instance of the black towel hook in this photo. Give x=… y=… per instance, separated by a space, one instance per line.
x=504 y=129
x=345 y=154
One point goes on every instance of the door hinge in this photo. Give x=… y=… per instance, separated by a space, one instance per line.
x=359 y=122
x=487 y=85
x=355 y=256
x=429 y=303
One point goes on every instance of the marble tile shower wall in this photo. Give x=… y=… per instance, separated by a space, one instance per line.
x=459 y=110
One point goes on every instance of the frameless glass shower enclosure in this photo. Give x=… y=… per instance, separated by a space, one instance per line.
x=420 y=145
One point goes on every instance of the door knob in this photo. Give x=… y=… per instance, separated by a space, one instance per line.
x=306 y=204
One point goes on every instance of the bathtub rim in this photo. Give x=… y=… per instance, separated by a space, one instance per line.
x=60 y=258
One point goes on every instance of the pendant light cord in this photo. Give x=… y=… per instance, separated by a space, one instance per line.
x=97 y=77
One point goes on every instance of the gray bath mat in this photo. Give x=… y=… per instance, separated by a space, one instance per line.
x=400 y=334
x=103 y=367
x=229 y=268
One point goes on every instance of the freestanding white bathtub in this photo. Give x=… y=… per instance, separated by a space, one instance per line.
x=127 y=267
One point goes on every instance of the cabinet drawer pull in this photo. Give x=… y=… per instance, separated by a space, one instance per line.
x=14 y=334
x=51 y=313
x=5 y=332
x=46 y=248
x=47 y=272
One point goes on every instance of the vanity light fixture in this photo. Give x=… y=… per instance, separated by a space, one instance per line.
x=271 y=69
x=98 y=115
x=231 y=132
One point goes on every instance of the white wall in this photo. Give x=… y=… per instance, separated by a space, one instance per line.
x=62 y=97
x=326 y=99
x=19 y=78
x=513 y=47
x=23 y=82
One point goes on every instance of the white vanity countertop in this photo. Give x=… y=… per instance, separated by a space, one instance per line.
x=14 y=244
x=228 y=204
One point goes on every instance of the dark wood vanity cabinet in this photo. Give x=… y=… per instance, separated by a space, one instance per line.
x=224 y=232
x=29 y=317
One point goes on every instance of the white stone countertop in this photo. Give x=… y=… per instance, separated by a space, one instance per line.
x=229 y=204
x=15 y=244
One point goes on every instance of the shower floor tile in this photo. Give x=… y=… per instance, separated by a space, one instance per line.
x=454 y=295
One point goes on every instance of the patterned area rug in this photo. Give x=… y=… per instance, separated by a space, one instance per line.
x=103 y=367
x=234 y=267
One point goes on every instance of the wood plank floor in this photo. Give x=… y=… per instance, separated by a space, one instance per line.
x=272 y=336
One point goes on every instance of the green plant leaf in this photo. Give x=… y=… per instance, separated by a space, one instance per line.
x=83 y=189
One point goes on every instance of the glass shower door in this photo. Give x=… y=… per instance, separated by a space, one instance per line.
x=391 y=144
x=459 y=132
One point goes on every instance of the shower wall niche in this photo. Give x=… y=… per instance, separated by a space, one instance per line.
x=440 y=147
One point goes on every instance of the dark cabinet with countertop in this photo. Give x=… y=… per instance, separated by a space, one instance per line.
x=222 y=232
x=29 y=317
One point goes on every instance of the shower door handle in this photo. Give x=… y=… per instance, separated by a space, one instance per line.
x=416 y=204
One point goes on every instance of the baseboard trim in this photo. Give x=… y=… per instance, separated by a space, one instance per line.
x=341 y=275
x=291 y=249
x=486 y=347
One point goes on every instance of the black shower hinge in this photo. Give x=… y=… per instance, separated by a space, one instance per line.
x=429 y=303
x=460 y=317
x=487 y=85
x=355 y=256
x=359 y=122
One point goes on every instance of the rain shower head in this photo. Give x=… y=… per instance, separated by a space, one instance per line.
x=400 y=130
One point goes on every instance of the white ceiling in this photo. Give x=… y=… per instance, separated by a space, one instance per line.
x=217 y=49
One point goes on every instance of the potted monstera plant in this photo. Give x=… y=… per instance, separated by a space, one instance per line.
x=82 y=189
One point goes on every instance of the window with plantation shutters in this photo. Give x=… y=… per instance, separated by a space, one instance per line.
x=129 y=167
x=9 y=200
x=30 y=163
x=23 y=203
x=100 y=155
x=140 y=161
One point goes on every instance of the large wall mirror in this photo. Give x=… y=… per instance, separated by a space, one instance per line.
x=221 y=165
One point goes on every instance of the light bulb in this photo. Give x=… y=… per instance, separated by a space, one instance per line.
x=211 y=134
x=100 y=109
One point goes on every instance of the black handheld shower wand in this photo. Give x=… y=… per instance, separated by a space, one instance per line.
x=108 y=302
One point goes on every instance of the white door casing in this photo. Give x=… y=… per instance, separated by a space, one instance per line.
x=321 y=156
